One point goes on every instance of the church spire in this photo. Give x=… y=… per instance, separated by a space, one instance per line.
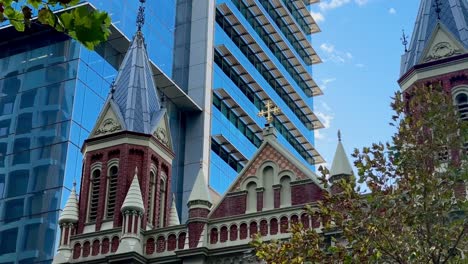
x=133 y=97
x=340 y=165
x=452 y=15
x=141 y=15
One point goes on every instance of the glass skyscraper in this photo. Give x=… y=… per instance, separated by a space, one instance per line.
x=215 y=64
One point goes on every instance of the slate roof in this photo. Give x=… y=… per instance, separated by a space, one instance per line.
x=134 y=89
x=453 y=15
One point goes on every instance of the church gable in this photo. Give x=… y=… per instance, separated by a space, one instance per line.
x=162 y=130
x=441 y=45
x=269 y=181
x=109 y=121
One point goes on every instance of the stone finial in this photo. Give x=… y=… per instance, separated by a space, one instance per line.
x=133 y=200
x=173 y=215
x=341 y=164
x=70 y=211
x=200 y=194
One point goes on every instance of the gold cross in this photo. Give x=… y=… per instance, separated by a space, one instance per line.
x=267 y=113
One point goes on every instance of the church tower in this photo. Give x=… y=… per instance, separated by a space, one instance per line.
x=125 y=186
x=438 y=51
x=438 y=54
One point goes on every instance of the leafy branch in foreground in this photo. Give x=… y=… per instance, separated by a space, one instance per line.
x=89 y=27
x=414 y=210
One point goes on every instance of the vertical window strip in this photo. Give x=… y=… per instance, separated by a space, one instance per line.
x=152 y=187
x=112 y=191
x=94 y=196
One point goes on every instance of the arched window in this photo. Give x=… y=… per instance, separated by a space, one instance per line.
x=94 y=186
x=268 y=195
x=251 y=197
x=162 y=202
x=111 y=191
x=461 y=100
x=285 y=191
x=152 y=189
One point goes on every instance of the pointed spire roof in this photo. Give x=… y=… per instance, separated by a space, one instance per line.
x=133 y=200
x=173 y=216
x=200 y=191
x=70 y=212
x=340 y=165
x=453 y=16
x=134 y=90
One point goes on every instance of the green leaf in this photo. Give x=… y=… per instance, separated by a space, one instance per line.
x=16 y=18
x=34 y=3
x=46 y=17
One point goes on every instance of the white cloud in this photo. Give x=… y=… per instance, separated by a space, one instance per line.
x=325 y=105
x=325 y=82
x=318 y=17
x=360 y=65
x=325 y=118
x=332 y=4
x=328 y=48
x=335 y=55
x=392 y=11
x=361 y=2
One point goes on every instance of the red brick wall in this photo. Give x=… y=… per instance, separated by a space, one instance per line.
x=214 y=236
x=233 y=233
x=253 y=229
x=284 y=224
x=171 y=242
x=231 y=206
x=273 y=226
x=264 y=227
x=181 y=241
x=259 y=201
x=243 y=231
x=198 y=212
x=305 y=193
x=150 y=246
x=76 y=250
x=448 y=80
x=161 y=244
x=277 y=197
x=86 y=249
x=305 y=219
x=96 y=246
x=130 y=156
x=105 y=246
x=223 y=234
x=115 y=244
x=195 y=229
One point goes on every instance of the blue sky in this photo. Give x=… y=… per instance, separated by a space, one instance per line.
x=360 y=47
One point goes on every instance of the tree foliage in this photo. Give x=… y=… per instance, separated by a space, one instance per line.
x=414 y=208
x=89 y=27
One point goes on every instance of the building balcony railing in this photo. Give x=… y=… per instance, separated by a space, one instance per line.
x=284 y=126
x=287 y=26
x=302 y=15
x=256 y=94
x=274 y=42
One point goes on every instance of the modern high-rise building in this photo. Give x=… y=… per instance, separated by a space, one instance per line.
x=215 y=64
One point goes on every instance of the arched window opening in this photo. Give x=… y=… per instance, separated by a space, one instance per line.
x=94 y=195
x=461 y=100
x=152 y=189
x=111 y=191
x=285 y=191
x=251 y=197
x=162 y=202
x=268 y=199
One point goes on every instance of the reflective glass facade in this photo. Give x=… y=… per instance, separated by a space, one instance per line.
x=52 y=90
x=262 y=52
